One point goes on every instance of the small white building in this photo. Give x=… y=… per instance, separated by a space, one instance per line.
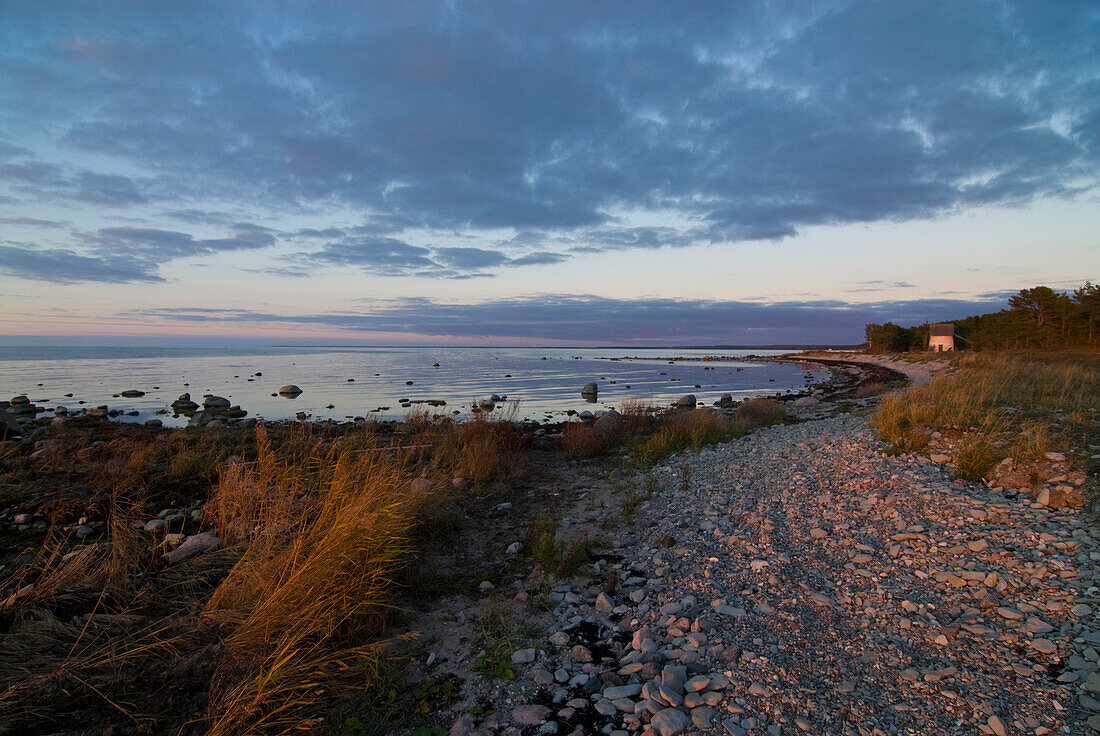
x=941 y=337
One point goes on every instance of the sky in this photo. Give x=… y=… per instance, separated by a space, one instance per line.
x=538 y=173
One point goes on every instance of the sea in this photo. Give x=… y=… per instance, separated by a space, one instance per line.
x=342 y=383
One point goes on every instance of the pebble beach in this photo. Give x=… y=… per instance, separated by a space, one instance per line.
x=800 y=580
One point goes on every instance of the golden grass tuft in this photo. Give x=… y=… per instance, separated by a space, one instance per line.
x=1034 y=404
x=682 y=430
x=582 y=439
x=311 y=591
x=760 y=412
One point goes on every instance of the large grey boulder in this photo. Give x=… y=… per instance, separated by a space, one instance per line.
x=610 y=423
x=9 y=425
x=686 y=402
x=590 y=391
x=215 y=403
x=290 y=390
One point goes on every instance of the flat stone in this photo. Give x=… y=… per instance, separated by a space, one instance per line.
x=669 y=722
x=733 y=727
x=523 y=656
x=760 y=690
x=997 y=726
x=1035 y=625
x=1046 y=646
x=702 y=716
x=622 y=691
x=697 y=683
x=940 y=674
x=530 y=715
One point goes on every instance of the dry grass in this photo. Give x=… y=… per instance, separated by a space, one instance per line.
x=489 y=447
x=1035 y=404
x=268 y=631
x=682 y=430
x=760 y=412
x=322 y=542
x=582 y=439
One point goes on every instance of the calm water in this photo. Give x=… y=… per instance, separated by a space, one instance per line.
x=546 y=389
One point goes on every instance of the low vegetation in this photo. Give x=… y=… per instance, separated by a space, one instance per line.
x=999 y=406
x=651 y=436
x=258 y=637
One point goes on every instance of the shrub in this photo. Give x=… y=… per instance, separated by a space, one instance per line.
x=582 y=439
x=682 y=430
x=760 y=412
x=976 y=457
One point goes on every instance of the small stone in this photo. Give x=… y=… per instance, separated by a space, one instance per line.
x=604 y=603
x=803 y=723
x=155 y=525
x=464 y=726
x=605 y=707
x=669 y=722
x=997 y=726
x=978 y=545
x=530 y=715
x=485 y=586
x=581 y=653
x=618 y=692
x=697 y=683
x=760 y=690
x=559 y=639
x=523 y=656
x=1045 y=646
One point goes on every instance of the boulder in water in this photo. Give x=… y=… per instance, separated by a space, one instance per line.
x=290 y=390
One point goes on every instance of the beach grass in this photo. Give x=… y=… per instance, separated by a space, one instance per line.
x=259 y=637
x=1001 y=405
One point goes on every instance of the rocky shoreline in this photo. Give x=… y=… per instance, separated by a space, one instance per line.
x=796 y=580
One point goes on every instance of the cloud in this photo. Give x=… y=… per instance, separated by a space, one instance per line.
x=470 y=259
x=123 y=254
x=592 y=319
x=31 y=221
x=387 y=256
x=747 y=121
x=106 y=189
x=63 y=266
x=539 y=258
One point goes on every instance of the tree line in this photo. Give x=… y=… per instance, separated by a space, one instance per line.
x=1039 y=317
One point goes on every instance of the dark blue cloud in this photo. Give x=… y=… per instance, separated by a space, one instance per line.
x=63 y=266
x=751 y=121
x=123 y=254
x=619 y=321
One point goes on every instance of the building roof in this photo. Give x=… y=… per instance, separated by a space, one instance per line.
x=943 y=329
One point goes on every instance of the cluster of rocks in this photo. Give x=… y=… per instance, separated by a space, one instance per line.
x=1050 y=481
x=801 y=580
x=174 y=532
x=216 y=411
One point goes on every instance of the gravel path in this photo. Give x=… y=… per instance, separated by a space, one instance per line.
x=799 y=580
